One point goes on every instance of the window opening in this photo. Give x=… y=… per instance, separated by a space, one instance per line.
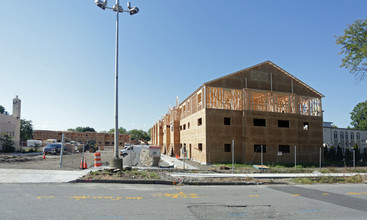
x=259 y=122
x=257 y=148
x=284 y=148
x=227 y=147
x=283 y=124
x=305 y=126
x=200 y=121
x=227 y=121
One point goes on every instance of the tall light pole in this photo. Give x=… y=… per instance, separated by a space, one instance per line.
x=117 y=162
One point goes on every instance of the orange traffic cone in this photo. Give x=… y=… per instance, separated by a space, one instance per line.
x=82 y=163
x=44 y=156
x=85 y=166
x=178 y=157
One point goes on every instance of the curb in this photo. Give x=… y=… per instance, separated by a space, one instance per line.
x=172 y=183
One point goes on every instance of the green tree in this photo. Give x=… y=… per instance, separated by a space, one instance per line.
x=26 y=130
x=121 y=130
x=339 y=154
x=359 y=116
x=2 y=110
x=7 y=143
x=71 y=129
x=348 y=156
x=332 y=153
x=326 y=154
x=354 y=48
x=84 y=129
x=137 y=134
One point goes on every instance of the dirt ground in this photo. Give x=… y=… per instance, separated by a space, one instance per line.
x=52 y=162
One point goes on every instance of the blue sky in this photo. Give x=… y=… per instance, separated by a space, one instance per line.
x=59 y=58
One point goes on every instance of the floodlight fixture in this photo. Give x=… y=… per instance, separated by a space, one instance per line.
x=101 y=4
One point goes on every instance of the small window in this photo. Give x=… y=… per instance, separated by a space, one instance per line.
x=306 y=126
x=259 y=122
x=283 y=124
x=257 y=148
x=200 y=121
x=184 y=126
x=227 y=147
x=188 y=125
x=200 y=147
x=181 y=128
x=227 y=121
x=284 y=148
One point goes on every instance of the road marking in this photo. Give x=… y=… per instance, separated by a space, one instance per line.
x=325 y=194
x=355 y=193
x=295 y=195
x=176 y=195
x=45 y=197
x=112 y=198
x=254 y=195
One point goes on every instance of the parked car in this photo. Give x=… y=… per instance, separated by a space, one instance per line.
x=52 y=148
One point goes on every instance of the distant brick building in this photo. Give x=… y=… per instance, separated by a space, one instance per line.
x=102 y=139
x=262 y=105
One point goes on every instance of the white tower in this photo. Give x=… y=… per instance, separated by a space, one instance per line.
x=16 y=107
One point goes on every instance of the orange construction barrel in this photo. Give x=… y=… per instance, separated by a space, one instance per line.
x=97 y=159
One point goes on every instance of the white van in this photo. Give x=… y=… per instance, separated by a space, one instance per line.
x=133 y=149
x=32 y=143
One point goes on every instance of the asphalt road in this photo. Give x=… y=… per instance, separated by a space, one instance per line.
x=121 y=201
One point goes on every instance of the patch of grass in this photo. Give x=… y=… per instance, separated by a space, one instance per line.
x=328 y=179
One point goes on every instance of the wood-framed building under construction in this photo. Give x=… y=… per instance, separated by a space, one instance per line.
x=262 y=105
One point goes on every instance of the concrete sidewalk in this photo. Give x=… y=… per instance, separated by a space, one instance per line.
x=40 y=176
x=177 y=163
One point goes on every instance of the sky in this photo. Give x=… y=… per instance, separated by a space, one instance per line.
x=59 y=58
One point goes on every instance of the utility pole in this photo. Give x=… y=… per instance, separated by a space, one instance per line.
x=62 y=149
x=262 y=156
x=295 y=156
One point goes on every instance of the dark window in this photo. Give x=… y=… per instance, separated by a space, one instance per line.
x=227 y=148
x=284 y=148
x=180 y=127
x=283 y=123
x=306 y=126
x=259 y=122
x=188 y=125
x=257 y=148
x=200 y=122
x=227 y=121
x=200 y=147
x=184 y=126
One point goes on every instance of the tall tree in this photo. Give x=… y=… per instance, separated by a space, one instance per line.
x=121 y=130
x=83 y=129
x=354 y=48
x=7 y=143
x=26 y=130
x=137 y=134
x=2 y=110
x=359 y=116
